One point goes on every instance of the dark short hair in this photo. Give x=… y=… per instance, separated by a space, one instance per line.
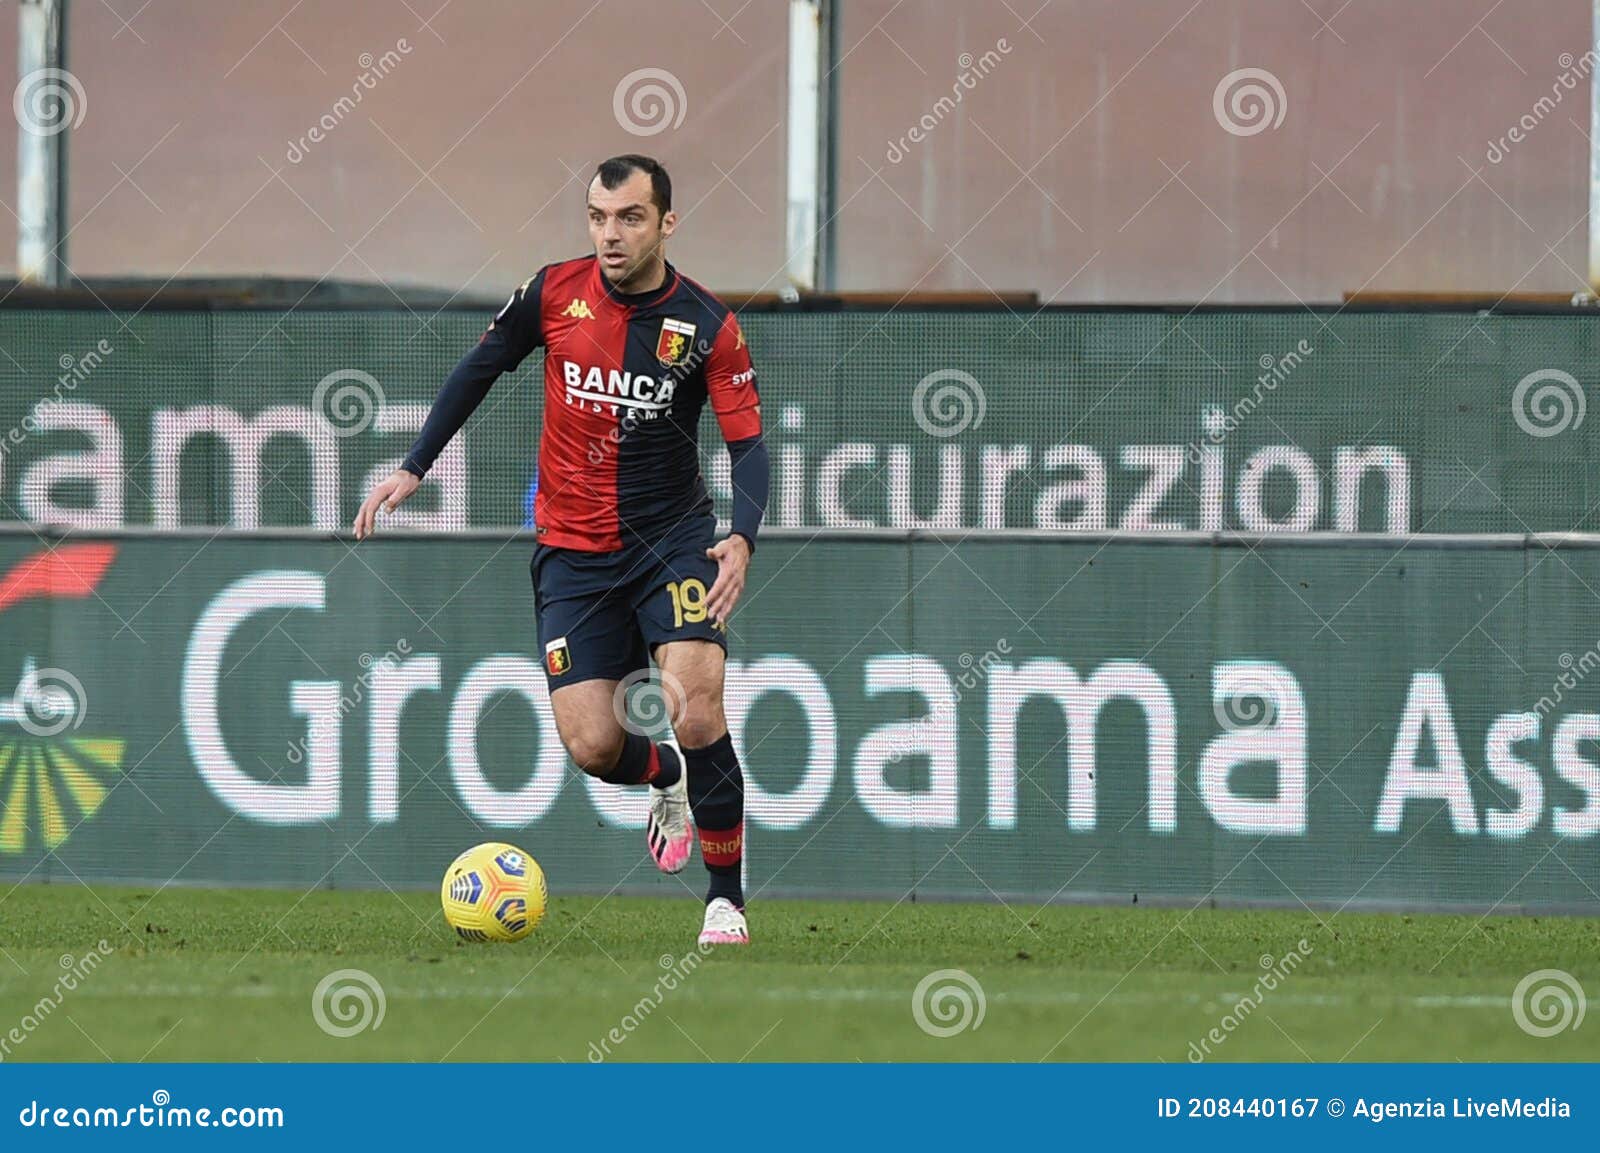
x=615 y=171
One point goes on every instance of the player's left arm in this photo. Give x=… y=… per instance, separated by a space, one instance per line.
x=731 y=386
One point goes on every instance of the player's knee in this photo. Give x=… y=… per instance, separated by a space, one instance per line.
x=595 y=751
x=701 y=721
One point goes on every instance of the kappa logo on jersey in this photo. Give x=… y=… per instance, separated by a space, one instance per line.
x=578 y=310
x=557 y=658
x=672 y=346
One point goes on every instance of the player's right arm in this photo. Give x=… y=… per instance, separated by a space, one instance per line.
x=511 y=336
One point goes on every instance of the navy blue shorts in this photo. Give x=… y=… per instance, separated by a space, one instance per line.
x=602 y=613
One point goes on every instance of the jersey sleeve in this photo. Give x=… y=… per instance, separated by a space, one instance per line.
x=515 y=331
x=518 y=328
x=731 y=383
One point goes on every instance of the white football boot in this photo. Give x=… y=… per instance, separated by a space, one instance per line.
x=667 y=833
x=725 y=924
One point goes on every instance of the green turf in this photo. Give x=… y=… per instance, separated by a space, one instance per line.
x=205 y=975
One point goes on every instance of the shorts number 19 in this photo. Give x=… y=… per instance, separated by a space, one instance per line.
x=688 y=601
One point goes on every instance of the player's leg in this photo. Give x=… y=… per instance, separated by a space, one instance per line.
x=716 y=782
x=602 y=746
x=592 y=735
x=690 y=648
x=591 y=642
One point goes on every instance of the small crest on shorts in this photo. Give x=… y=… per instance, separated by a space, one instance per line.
x=557 y=659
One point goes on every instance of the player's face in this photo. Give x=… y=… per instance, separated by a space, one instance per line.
x=627 y=229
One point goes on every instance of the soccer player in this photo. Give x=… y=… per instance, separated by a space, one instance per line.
x=626 y=565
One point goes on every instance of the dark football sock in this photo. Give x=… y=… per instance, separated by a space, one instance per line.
x=716 y=797
x=642 y=761
x=670 y=767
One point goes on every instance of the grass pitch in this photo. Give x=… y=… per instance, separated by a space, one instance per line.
x=230 y=975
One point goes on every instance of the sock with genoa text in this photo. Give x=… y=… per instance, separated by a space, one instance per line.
x=716 y=797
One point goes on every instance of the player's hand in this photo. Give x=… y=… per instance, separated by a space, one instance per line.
x=733 y=558
x=388 y=495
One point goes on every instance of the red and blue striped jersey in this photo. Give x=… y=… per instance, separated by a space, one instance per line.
x=626 y=379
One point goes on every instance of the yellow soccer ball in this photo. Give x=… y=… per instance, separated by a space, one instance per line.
x=493 y=892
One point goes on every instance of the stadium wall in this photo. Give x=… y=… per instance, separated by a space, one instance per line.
x=1150 y=420
x=1253 y=150
x=1334 y=720
x=1032 y=621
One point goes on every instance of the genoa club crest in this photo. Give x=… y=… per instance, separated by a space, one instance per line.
x=672 y=346
x=557 y=658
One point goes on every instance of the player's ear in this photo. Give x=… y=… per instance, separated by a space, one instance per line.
x=669 y=223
